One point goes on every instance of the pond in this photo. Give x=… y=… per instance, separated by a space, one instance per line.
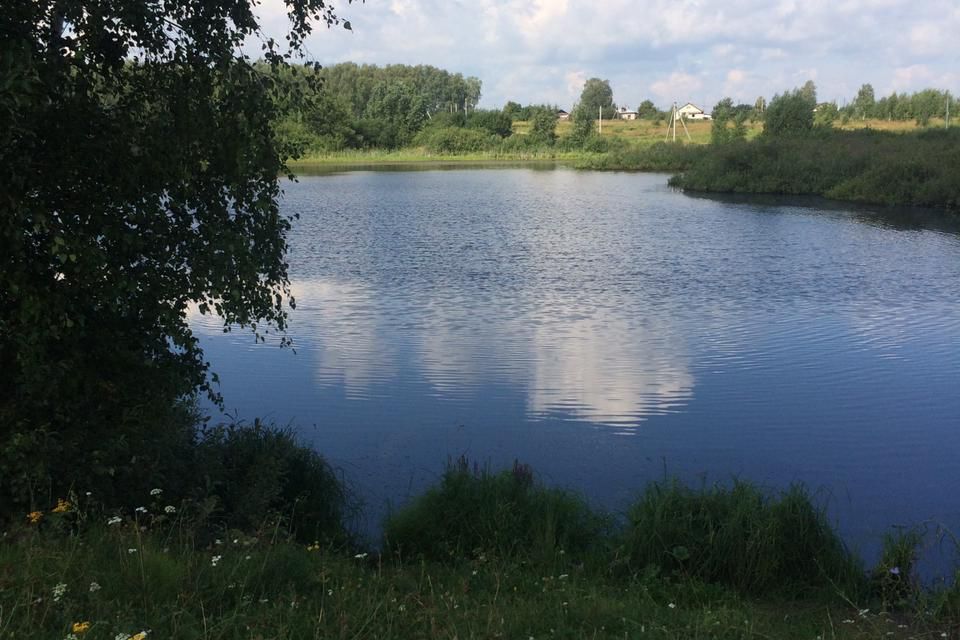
x=609 y=330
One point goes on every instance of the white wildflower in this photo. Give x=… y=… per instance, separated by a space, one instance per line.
x=59 y=590
x=141 y=510
x=156 y=492
x=114 y=520
x=360 y=556
x=122 y=636
x=169 y=509
x=563 y=576
x=131 y=550
x=94 y=587
x=218 y=542
x=672 y=606
x=215 y=560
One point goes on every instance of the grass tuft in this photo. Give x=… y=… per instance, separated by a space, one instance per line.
x=476 y=512
x=738 y=537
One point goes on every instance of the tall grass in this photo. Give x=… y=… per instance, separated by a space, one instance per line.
x=473 y=511
x=877 y=167
x=483 y=555
x=740 y=537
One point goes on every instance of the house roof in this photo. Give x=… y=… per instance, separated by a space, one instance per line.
x=690 y=104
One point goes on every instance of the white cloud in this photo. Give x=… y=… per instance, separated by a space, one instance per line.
x=678 y=86
x=527 y=50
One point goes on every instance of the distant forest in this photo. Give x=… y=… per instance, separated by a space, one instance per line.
x=351 y=106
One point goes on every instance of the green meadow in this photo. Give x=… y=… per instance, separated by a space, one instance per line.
x=482 y=554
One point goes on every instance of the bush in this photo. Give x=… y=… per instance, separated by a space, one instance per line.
x=737 y=537
x=492 y=122
x=660 y=156
x=506 y=514
x=790 y=114
x=257 y=473
x=452 y=140
x=864 y=166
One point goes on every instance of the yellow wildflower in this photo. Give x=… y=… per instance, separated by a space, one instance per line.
x=35 y=516
x=139 y=636
x=81 y=627
x=62 y=506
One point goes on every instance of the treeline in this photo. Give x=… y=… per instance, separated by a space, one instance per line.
x=921 y=106
x=350 y=106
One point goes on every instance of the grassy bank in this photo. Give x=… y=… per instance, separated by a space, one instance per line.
x=417 y=155
x=479 y=555
x=875 y=167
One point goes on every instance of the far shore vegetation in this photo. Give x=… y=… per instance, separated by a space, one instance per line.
x=897 y=150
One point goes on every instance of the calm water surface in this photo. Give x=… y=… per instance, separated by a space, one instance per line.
x=606 y=329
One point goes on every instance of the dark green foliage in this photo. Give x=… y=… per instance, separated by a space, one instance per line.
x=517 y=111
x=790 y=114
x=584 y=124
x=895 y=577
x=454 y=140
x=596 y=96
x=543 y=127
x=862 y=166
x=138 y=177
x=256 y=473
x=372 y=107
x=490 y=121
x=739 y=537
x=328 y=119
x=661 y=156
x=474 y=511
x=865 y=103
x=826 y=114
x=513 y=110
x=728 y=122
x=647 y=110
x=920 y=106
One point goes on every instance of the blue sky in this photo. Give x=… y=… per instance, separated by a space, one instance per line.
x=665 y=50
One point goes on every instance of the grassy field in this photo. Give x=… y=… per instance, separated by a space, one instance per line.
x=638 y=134
x=479 y=555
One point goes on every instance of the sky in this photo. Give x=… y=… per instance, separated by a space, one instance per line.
x=536 y=51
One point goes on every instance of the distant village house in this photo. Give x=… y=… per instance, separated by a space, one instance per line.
x=691 y=111
x=562 y=115
x=626 y=114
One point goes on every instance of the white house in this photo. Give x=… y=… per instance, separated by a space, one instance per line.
x=691 y=111
x=626 y=114
x=562 y=115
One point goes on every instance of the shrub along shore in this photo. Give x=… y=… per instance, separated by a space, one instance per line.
x=261 y=548
x=916 y=168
